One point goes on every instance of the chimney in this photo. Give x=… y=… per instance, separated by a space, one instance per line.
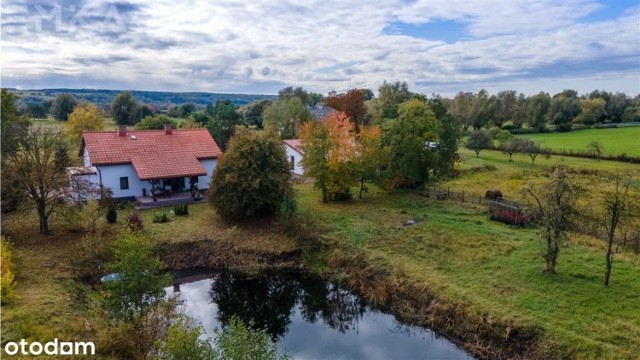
x=122 y=130
x=167 y=129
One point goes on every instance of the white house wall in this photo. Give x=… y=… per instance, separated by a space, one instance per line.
x=297 y=157
x=111 y=175
x=85 y=158
x=209 y=165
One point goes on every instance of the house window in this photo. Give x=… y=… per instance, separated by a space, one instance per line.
x=293 y=163
x=124 y=183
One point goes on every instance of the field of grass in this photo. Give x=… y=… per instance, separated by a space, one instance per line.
x=616 y=141
x=493 y=269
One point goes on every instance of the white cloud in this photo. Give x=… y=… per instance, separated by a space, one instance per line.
x=227 y=46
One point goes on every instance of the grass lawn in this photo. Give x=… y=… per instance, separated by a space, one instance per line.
x=493 y=269
x=616 y=141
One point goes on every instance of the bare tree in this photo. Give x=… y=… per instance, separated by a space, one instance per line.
x=596 y=148
x=38 y=166
x=619 y=219
x=556 y=204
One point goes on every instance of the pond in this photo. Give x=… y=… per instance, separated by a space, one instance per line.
x=312 y=319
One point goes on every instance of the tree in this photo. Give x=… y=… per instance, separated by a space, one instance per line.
x=371 y=156
x=596 y=148
x=390 y=96
x=13 y=129
x=564 y=108
x=124 y=109
x=252 y=177
x=478 y=140
x=140 y=282
x=538 y=110
x=38 y=167
x=506 y=105
x=532 y=149
x=461 y=108
x=92 y=218
x=331 y=153
x=252 y=112
x=513 y=145
x=62 y=106
x=307 y=98
x=156 y=122
x=555 y=201
x=592 y=110
x=618 y=218
x=351 y=103
x=223 y=122
x=482 y=110
x=85 y=117
x=144 y=111
x=447 y=148
x=502 y=137
x=286 y=116
x=243 y=341
x=411 y=159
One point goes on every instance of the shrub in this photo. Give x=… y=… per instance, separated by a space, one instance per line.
x=141 y=282
x=289 y=206
x=134 y=223
x=112 y=215
x=252 y=177
x=160 y=217
x=183 y=341
x=181 y=210
x=240 y=341
x=7 y=283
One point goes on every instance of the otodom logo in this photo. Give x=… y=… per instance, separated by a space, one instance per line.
x=54 y=347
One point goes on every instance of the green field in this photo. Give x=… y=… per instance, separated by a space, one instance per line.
x=489 y=268
x=616 y=141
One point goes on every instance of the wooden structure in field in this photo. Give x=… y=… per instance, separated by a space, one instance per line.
x=509 y=212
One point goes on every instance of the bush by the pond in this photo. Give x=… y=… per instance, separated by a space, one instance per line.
x=243 y=341
x=7 y=283
x=134 y=223
x=112 y=215
x=181 y=210
x=160 y=217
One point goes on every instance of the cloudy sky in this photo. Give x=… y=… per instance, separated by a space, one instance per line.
x=437 y=46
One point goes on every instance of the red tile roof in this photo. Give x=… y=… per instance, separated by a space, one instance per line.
x=295 y=144
x=153 y=154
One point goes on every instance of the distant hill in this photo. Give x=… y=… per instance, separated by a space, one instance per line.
x=158 y=99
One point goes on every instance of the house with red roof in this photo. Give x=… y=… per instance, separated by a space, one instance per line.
x=149 y=163
x=293 y=147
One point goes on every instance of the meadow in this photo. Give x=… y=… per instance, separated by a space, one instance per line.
x=616 y=141
x=490 y=269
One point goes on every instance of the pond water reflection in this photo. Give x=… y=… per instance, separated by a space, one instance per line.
x=312 y=319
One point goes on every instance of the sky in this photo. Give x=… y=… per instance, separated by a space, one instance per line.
x=259 y=47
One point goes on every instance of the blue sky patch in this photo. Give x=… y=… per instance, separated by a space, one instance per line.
x=448 y=31
x=611 y=10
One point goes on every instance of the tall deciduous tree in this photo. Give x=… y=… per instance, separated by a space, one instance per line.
x=38 y=166
x=85 y=117
x=407 y=136
x=62 y=106
x=592 y=110
x=156 y=122
x=125 y=109
x=447 y=147
x=13 y=129
x=331 y=155
x=351 y=103
x=538 y=110
x=564 y=108
x=371 y=155
x=390 y=96
x=555 y=201
x=252 y=177
x=461 y=108
x=285 y=116
x=223 y=122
